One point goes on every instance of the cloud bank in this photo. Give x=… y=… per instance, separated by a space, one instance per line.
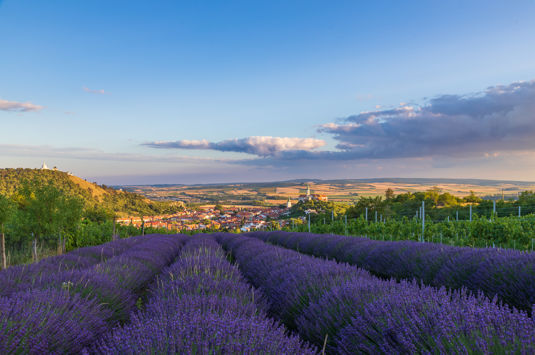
x=501 y=118
x=261 y=146
x=15 y=106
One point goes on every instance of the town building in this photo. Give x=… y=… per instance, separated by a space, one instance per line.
x=312 y=197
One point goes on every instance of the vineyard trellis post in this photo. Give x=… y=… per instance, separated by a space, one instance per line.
x=423 y=221
x=470 y=213
x=34 y=247
x=519 y=211
x=3 y=246
x=366 y=216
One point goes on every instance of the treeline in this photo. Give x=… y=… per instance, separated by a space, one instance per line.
x=438 y=206
x=468 y=221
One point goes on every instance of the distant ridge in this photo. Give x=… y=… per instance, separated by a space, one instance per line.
x=426 y=181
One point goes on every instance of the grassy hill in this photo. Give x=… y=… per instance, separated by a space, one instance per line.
x=94 y=196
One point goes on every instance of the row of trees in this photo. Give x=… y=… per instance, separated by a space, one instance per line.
x=439 y=206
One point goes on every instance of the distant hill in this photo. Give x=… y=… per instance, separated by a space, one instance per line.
x=420 y=181
x=93 y=195
x=346 y=190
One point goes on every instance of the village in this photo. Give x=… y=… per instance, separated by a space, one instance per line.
x=224 y=218
x=244 y=218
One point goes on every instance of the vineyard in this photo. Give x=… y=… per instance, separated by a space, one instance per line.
x=481 y=232
x=269 y=293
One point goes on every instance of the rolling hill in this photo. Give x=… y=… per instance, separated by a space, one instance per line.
x=93 y=195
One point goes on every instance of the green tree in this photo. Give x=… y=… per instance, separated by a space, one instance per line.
x=432 y=195
x=472 y=198
x=526 y=198
x=69 y=216
x=6 y=211
x=447 y=200
x=46 y=211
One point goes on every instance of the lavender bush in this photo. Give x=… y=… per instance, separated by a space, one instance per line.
x=48 y=321
x=201 y=304
x=508 y=274
x=360 y=313
x=69 y=309
x=22 y=277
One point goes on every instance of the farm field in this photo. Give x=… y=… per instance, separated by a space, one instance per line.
x=269 y=293
x=336 y=190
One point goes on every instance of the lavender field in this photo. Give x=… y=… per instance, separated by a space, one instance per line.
x=269 y=293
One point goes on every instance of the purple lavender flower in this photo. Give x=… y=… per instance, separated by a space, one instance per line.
x=49 y=321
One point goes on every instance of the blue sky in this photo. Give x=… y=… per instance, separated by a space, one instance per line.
x=128 y=92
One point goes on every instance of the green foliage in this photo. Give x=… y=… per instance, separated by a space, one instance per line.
x=396 y=219
x=526 y=198
x=6 y=210
x=503 y=232
x=44 y=210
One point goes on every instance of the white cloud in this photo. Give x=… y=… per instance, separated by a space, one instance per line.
x=15 y=106
x=100 y=92
x=257 y=145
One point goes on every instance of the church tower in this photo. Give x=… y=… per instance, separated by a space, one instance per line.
x=289 y=203
x=44 y=167
x=308 y=190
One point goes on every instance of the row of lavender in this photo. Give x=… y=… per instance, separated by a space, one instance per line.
x=63 y=304
x=507 y=274
x=22 y=277
x=354 y=312
x=201 y=304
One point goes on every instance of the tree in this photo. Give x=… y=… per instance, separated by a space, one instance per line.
x=39 y=210
x=70 y=210
x=46 y=212
x=432 y=195
x=472 y=198
x=389 y=194
x=526 y=198
x=6 y=210
x=447 y=200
